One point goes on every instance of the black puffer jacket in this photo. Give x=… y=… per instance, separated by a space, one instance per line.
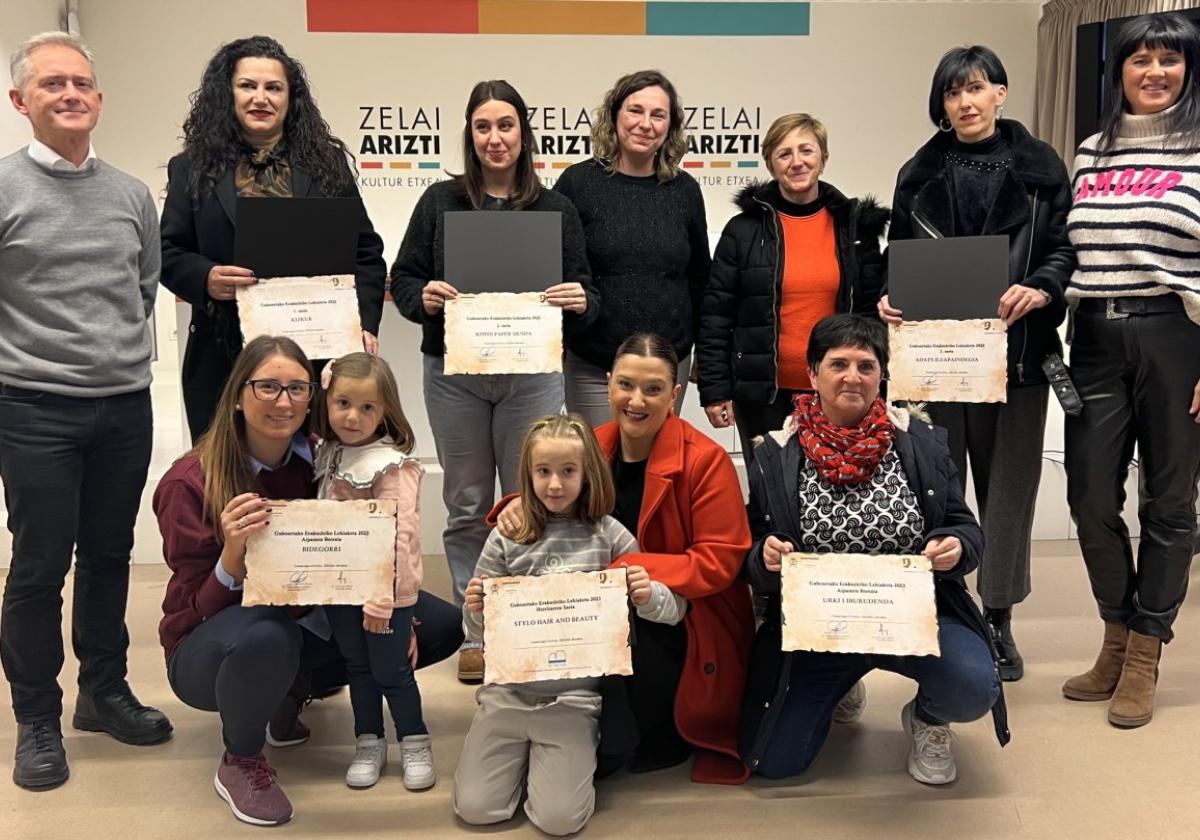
x=737 y=346
x=774 y=510
x=1030 y=208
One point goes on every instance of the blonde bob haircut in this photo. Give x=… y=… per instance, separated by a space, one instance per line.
x=224 y=457
x=392 y=421
x=605 y=146
x=788 y=123
x=597 y=495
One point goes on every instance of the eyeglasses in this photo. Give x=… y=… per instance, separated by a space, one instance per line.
x=269 y=390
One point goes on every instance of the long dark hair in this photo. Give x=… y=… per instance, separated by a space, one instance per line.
x=1162 y=31
x=526 y=187
x=212 y=135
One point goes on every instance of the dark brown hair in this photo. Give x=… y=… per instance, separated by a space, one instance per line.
x=653 y=346
x=392 y=421
x=526 y=187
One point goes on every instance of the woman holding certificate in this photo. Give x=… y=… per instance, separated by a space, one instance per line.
x=847 y=476
x=798 y=250
x=254 y=130
x=982 y=175
x=678 y=494
x=479 y=420
x=647 y=238
x=1136 y=299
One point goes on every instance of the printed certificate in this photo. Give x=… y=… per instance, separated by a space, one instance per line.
x=556 y=626
x=856 y=603
x=323 y=552
x=318 y=313
x=503 y=332
x=949 y=361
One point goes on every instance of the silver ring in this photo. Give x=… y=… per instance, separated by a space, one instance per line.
x=241 y=523
x=388 y=631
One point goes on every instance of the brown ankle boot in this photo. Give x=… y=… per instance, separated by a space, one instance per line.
x=1133 y=702
x=1100 y=682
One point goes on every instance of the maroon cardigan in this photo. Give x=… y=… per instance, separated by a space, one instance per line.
x=190 y=546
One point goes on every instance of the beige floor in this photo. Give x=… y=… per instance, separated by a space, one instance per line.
x=1066 y=774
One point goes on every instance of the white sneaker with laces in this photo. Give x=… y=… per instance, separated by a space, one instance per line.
x=370 y=757
x=416 y=757
x=850 y=708
x=930 y=760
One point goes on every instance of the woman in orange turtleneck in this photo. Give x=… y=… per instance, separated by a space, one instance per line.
x=798 y=251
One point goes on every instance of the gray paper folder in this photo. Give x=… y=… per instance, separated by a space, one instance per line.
x=503 y=251
x=955 y=278
x=297 y=237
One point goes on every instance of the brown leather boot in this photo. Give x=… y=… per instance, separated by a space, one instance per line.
x=1100 y=682
x=1133 y=702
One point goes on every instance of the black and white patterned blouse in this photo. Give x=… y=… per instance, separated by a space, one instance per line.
x=879 y=516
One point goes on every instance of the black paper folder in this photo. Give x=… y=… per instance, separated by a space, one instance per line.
x=297 y=237
x=503 y=251
x=955 y=278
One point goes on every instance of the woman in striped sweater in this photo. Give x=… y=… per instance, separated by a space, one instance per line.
x=1135 y=225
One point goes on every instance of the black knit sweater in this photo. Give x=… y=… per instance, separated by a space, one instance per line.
x=976 y=172
x=647 y=245
x=422 y=258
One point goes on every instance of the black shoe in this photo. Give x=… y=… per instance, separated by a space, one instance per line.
x=121 y=716
x=41 y=761
x=1008 y=658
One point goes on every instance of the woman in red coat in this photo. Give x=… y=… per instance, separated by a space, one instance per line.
x=678 y=493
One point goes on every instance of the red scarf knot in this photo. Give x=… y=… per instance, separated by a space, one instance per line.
x=843 y=455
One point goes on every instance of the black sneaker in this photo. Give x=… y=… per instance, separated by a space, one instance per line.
x=41 y=761
x=121 y=715
x=1004 y=648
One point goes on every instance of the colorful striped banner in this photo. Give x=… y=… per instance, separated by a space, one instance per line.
x=562 y=17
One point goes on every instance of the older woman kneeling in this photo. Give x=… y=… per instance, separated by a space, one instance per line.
x=845 y=475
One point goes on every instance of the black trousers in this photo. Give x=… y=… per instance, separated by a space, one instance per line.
x=1004 y=443
x=754 y=419
x=242 y=661
x=1136 y=376
x=73 y=471
x=377 y=667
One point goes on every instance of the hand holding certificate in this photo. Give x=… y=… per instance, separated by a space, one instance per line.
x=318 y=313
x=323 y=552
x=556 y=626
x=500 y=332
x=856 y=603
x=949 y=361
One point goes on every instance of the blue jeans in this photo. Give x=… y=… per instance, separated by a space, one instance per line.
x=73 y=471
x=378 y=667
x=956 y=687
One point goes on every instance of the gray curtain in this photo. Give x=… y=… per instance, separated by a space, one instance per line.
x=1054 y=116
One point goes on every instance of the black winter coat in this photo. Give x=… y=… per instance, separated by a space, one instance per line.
x=774 y=511
x=1030 y=208
x=737 y=345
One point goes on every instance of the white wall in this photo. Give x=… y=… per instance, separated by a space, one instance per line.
x=21 y=18
x=864 y=70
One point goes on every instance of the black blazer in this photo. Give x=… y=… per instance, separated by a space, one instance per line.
x=198 y=233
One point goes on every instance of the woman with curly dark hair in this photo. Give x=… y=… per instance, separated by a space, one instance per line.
x=254 y=130
x=647 y=237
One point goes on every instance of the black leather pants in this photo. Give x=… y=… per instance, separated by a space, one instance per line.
x=1136 y=376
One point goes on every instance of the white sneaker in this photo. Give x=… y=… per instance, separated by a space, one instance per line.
x=929 y=760
x=416 y=757
x=850 y=708
x=370 y=757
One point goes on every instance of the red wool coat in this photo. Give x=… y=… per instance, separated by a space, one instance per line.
x=694 y=536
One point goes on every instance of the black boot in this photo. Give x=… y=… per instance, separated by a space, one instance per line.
x=41 y=761
x=120 y=715
x=1008 y=658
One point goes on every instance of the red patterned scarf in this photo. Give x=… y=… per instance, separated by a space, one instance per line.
x=843 y=455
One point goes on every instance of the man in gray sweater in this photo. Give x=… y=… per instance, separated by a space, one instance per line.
x=79 y=263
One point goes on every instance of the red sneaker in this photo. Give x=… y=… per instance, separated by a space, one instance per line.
x=248 y=785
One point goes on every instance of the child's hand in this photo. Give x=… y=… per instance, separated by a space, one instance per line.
x=473 y=598
x=372 y=624
x=639 y=585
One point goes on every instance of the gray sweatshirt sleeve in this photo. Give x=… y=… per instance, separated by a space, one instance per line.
x=150 y=258
x=664 y=606
x=492 y=563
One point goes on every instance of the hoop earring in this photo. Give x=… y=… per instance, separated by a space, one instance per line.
x=944 y=125
x=1000 y=112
